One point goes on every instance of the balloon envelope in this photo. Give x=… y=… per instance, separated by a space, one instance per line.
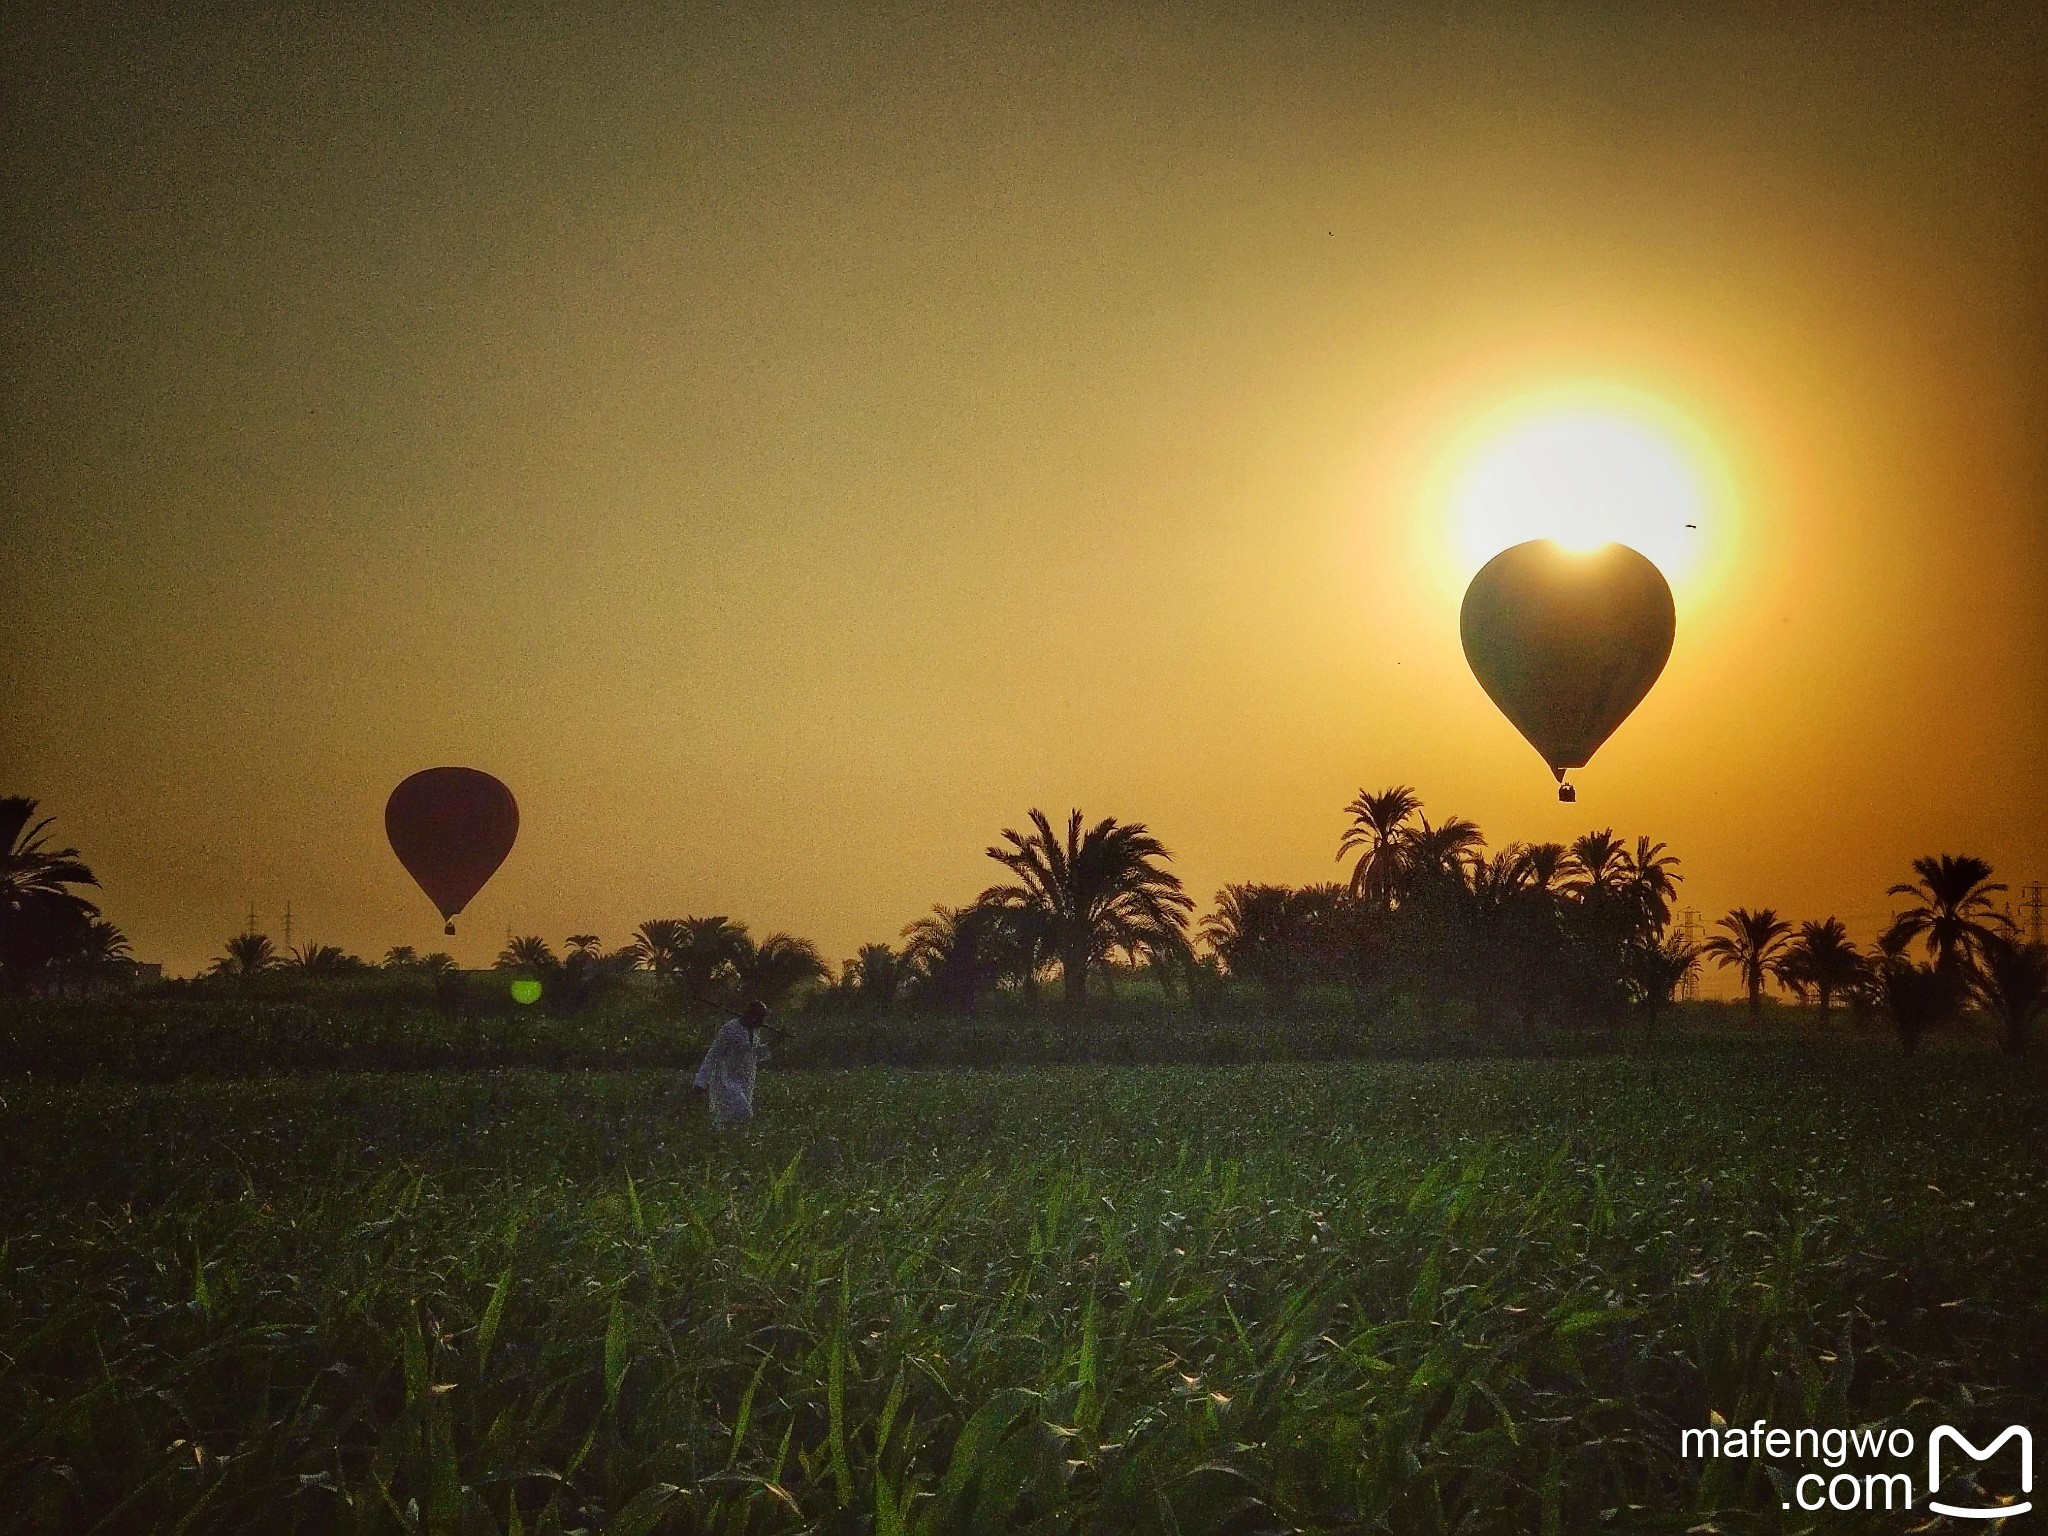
x=451 y=828
x=1567 y=643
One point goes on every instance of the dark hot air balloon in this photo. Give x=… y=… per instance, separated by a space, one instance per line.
x=1567 y=643
x=451 y=828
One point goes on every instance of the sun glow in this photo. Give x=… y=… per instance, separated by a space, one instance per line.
x=1584 y=473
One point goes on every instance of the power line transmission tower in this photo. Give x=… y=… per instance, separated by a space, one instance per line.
x=252 y=919
x=1689 y=925
x=287 y=925
x=2031 y=903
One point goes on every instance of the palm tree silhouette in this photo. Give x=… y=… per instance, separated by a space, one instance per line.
x=1613 y=899
x=528 y=953
x=1275 y=935
x=1013 y=942
x=1652 y=883
x=709 y=954
x=1439 y=856
x=1377 y=824
x=700 y=955
x=929 y=939
x=2014 y=987
x=1249 y=921
x=96 y=952
x=1094 y=892
x=1917 y=998
x=1751 y=945
x=582 y=944
x=246 y=954
x=400 y=956
x=322 y=960
x=40 y=912
x=1820 y=956
x=947 y=952
x=1599 y=862
x=873 y=975
x=1550 y=866
x=1656 y=971
x=776 y=968
x=1509 y=875
x=656 y=944
x=1952 y=912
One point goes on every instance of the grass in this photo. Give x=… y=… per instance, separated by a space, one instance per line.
x=1404 y=1296
x=188 y=1033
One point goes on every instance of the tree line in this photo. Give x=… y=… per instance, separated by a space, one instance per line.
x=1524 y=937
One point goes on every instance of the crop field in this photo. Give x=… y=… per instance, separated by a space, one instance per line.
x=1405 y=1296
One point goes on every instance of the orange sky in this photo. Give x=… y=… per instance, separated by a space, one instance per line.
x=786 y=447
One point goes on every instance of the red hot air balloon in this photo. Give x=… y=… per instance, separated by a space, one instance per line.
x=451 y=828
x=1567 y=643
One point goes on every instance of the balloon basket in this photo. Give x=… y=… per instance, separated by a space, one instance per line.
x=449 y=930
x=1567 y=793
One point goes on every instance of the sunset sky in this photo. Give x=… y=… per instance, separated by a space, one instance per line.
x=787 y=444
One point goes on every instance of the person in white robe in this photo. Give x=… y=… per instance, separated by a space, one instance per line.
x=727 y=1075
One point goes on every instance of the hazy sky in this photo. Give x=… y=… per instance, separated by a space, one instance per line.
x=785 y=445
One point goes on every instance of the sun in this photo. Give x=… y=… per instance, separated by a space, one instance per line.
x=1584 y=473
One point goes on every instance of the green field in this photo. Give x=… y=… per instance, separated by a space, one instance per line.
x=1401 y=1296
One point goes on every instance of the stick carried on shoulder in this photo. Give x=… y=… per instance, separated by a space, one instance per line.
x=718 y=1007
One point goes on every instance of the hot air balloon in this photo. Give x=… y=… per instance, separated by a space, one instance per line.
x=1566 y=644
x=451 y=828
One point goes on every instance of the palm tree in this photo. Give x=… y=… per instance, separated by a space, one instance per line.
x=40 y=912
x=1598 y=862
x=700 y=955
x=1446 y=854
x=709 y=953
x=1823 y=957
x=1656 y=971
x=247 y=954
x=1610 y=909
x=2014 y=987
x=1751 y=945
x=929 y=939
x=1952 y=912
x=1093 y=892
x=1281 y=937
x=1013 y=941
x=1917 y=998
x=947 y=954
x=322 y=960
x=873 y=975
x=774 y=970
x=103 y=950
x=582 y=944
x=1652 y=883
x=1506 y=877
x=1377 y=824
x=656 y=945
x=105 y=944
x=1323 y=931
x=1248 y=933
x=399 y=956
x=1549 y=865
x=530 y=953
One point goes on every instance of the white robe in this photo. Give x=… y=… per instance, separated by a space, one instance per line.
x=727 y=1074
